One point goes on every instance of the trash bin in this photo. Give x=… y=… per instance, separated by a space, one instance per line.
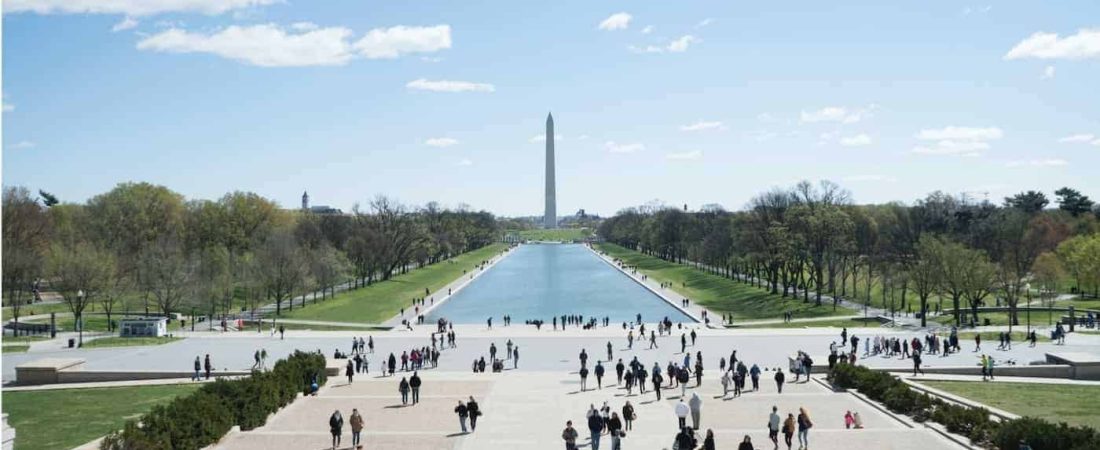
x=72 y=342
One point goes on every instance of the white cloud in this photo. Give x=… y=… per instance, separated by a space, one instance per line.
x=953 y=148
x=22 y=145
x=1048 y=73
x=765 y=117
x=981 y=10
x=126 y=24
x=465 y=162
x=704 y=22
x=134 y=8
x=1078 y=138
x=617 y=21
x=440 y=142
x=837 y=114
x=1084 y=44
x=261 y=45
x=870 y=178
x=304 y=26
x=678 y=45
x=960 y=133
x=957 y=141
x=395 y=41
x=1037 y=163
x=8 y=107
x=614 y=147
x=422 y=84
x=648 y=29
x=858 y=140
x=542 y=138
x=685 y=156
x=431 y=59
x=582 y=137
x=703 y=126
x=760 y=135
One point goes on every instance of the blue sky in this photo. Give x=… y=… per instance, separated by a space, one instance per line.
x=686 y=102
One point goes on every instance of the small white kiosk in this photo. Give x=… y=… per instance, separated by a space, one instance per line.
x=143 y=327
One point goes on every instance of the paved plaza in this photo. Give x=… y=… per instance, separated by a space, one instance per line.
x=529 y=409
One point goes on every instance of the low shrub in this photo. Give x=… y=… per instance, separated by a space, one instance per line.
x=974 y=423
x=200 y=419
x=1043 y=435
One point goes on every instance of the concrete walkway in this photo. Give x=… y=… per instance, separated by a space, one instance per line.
x=529 y=410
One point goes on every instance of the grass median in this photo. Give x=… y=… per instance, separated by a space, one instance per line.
x=720 y=294
x=382 y=300
x=66 y=418
x=1071 y=403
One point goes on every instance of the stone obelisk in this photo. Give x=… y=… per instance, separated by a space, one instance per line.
x=550 y=220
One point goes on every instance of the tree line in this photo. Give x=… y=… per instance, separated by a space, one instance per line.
x=813 y=240
x=143 y=245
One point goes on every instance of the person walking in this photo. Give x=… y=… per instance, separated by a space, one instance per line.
x=708 y=442
x=599 y=375
x=619 y=368
x=349 y=371
x=356 y=422
x=256 y=364
x=657 y=382
x=685 y=439
x=463 y=413
x=804 y=425
x=584 y=358
x=628 y=415
x=475 y=412
x=414 y=384
x=403 y=388
x=696 y=405
x=595 y=427
x=569 y=434
x=207 y=366
x=779 y=377
x=615 y=429
x=788 y=430
x=773 y=426
x=916 y=364
x=754 y=372
x=746 y=444
x=653 y=340
x=682 y=411
x=683 y=343
x=198 y=370
x=515 y=357
x=335 y=425
x=608 y=351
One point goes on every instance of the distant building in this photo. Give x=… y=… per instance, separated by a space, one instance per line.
x=317 y=209
x=580 y=214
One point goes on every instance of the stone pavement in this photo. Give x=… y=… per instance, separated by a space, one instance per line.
x=529 y=410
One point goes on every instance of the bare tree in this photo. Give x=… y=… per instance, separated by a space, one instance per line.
x=80 y=274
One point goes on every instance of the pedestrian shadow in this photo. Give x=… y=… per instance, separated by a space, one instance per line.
x=648 y=402
x=460 y=433
x=396 y=406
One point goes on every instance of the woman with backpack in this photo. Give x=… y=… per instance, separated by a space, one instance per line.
x=804 y=425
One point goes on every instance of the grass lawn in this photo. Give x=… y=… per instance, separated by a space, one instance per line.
x=15 y=348
x=39 y=308
x=66 y=418
x=118 y=341
x=95 y=323
x=25 y=339
x=1090 y=303
x=1039 y=317
x=988 y=337
x=1074 y=404
x=720 y=294
x=382 y=300
x=837 y=323
x=561 y=234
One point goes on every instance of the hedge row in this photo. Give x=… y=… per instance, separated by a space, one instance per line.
x=200 y=419
x=973 y=423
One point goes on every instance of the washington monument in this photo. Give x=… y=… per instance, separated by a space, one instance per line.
x=550 y=220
